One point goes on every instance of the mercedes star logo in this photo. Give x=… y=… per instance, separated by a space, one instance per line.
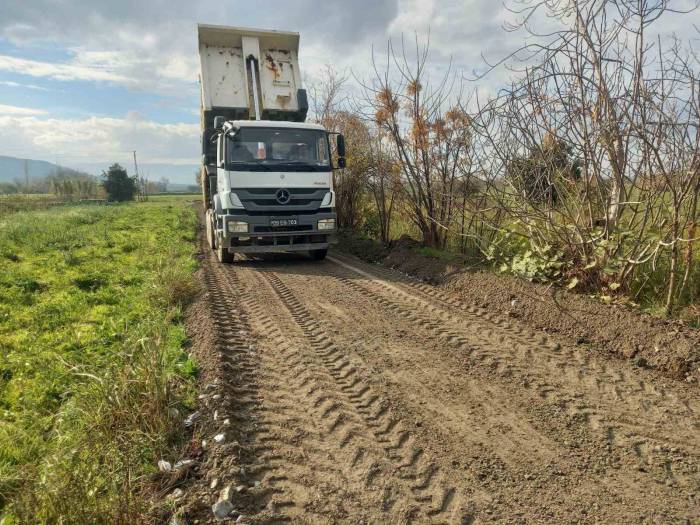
x=282 y=196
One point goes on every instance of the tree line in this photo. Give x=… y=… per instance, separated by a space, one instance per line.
x=582 y=169
x=65 y=184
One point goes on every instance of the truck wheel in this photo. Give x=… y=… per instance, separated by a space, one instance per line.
x=224 y=255
x=318 y=255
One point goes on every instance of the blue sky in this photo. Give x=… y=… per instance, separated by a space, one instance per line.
x=84 y=82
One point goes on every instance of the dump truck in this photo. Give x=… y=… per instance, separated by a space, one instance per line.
x=267 y=174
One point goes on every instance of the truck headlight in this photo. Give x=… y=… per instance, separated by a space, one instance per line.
x=235 y=200
x=326 y=224
x=237 y=227
x=327 y=200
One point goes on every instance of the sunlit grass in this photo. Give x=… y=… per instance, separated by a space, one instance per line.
x=92 y=354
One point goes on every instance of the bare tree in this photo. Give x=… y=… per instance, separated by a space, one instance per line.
x=327 y=96
x=350 y=183
x=603 y=123
x=328 y=101
x=383 y=181
x=428 y=131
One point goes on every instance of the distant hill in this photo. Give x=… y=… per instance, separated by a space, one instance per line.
x=175 y=173
x=12 y=169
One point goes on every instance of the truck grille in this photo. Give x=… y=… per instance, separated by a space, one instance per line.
x=265 y=199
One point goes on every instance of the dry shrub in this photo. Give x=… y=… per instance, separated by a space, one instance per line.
x=173 y=286
x=691 y=315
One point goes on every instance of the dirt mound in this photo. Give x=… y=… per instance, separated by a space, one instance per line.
x=366 y=249
x=651 y=342
x=403 y=255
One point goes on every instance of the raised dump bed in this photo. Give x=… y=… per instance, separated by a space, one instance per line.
x=230 y=57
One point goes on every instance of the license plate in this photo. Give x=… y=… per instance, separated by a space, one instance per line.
x=276 y=223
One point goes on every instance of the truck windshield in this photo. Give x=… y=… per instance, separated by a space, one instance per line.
x=278 y=149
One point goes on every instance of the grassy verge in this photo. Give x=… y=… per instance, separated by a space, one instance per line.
x=93 y=363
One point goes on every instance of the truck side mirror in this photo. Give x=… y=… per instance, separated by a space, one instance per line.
x=219 y=122
x=341 y=145
x=341 y=162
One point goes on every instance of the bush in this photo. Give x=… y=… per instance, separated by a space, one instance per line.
x=118 y=185
x=520 y=256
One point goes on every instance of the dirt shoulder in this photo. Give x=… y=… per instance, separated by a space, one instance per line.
x=668 y=347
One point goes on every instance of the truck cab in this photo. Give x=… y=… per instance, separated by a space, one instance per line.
x=267 y=176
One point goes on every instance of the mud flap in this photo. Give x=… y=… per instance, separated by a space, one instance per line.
x=209 y=225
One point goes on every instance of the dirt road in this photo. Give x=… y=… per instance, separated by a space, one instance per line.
x=356 y=395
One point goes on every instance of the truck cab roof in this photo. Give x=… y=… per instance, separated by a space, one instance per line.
x=275 y=124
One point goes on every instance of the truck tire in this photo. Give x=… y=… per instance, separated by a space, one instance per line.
x=224 y=256
x=318 y=255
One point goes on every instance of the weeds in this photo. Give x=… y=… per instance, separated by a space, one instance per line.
x=93 y=367
x=89 y=283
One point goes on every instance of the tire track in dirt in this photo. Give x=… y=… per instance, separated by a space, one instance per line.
x=366 y=418
x=340 y=434
x=654 y=449
x=262 y=448
x=536 y=353
x=278 y=449
x=449 y=303
x=335 y=427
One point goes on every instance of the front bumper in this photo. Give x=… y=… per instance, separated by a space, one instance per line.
x=262 y=238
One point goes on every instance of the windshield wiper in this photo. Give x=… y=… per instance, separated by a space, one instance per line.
x=311 y=166
x=254 y=165
x=276 y=165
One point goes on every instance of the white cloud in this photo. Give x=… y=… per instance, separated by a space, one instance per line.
x=140 y=67
x=14 y=110
x=58 y=71
x=98 y=139
x=131 y=43
x=134 y=66
x=151 y=46
x=10 y=83
x=134 y=70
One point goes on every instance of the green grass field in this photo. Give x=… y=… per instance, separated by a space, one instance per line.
x=13 y=203
x=94 y=372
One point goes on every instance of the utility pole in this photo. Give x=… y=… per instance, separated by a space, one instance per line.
x=144 y=187
x=26 y=176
